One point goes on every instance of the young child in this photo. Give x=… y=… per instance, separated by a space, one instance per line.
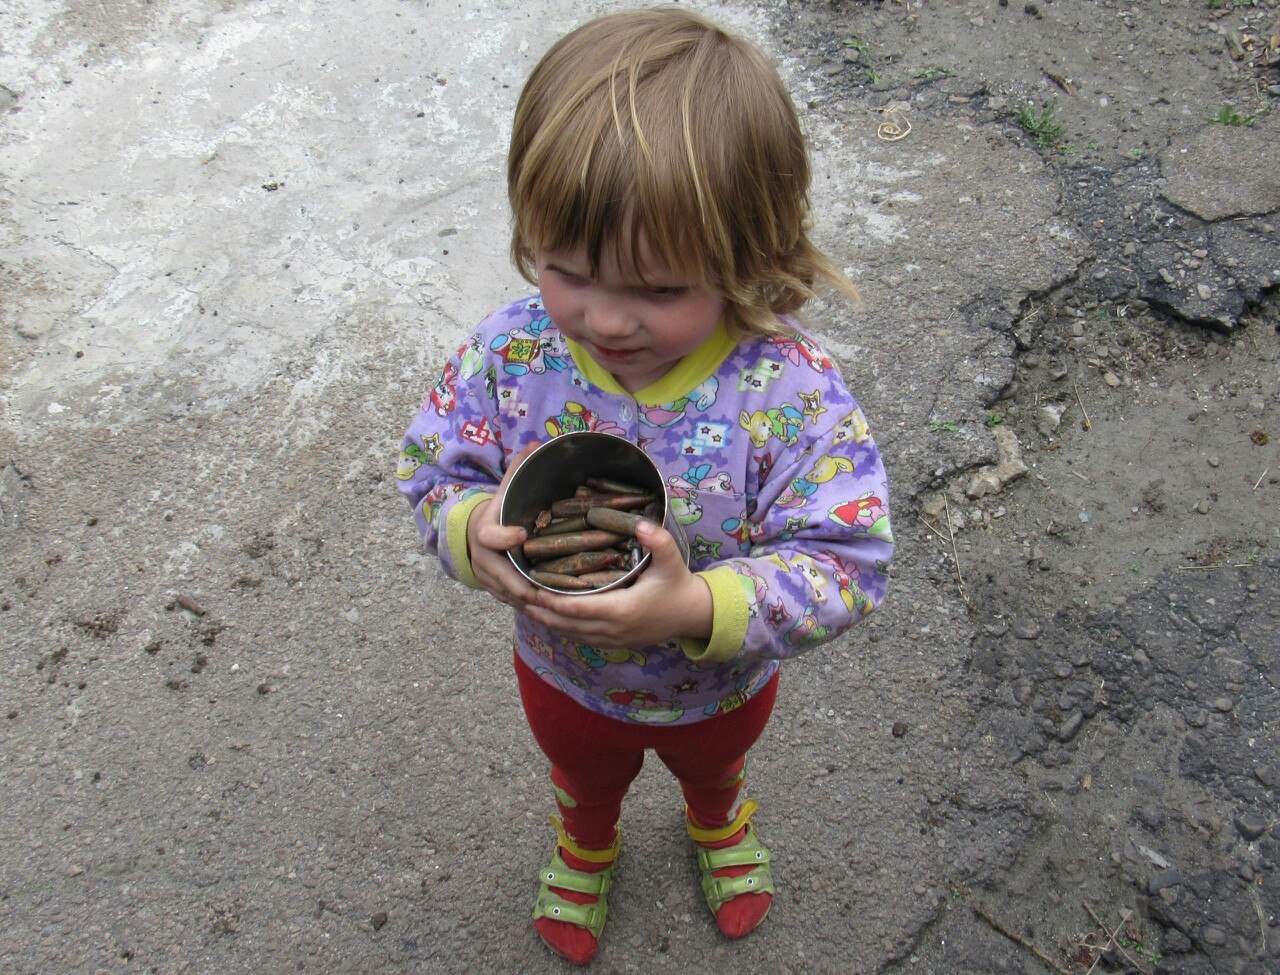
x=659 y=182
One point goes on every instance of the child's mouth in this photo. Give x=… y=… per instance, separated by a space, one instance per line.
x=614 y=355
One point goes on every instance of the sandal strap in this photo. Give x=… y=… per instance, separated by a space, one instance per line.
x=749 y=852
x=557 y=873
x=551 y=905
x=720 y=890
x=589 y=916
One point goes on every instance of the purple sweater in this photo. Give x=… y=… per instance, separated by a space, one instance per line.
x=772 y=473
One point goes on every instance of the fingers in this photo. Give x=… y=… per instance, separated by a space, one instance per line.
x=668 y=565
x=512 y=464
x=499 y=538
x=500 y=577
x=489 y=532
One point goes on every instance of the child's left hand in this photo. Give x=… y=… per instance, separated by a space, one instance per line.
x=666 y=602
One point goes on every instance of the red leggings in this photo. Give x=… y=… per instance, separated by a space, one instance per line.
x=594 y=758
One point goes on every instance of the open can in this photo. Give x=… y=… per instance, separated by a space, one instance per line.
x=558 y=467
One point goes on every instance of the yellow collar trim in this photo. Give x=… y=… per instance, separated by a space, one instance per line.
x=689 y=373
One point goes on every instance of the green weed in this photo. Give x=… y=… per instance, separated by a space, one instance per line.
x=943 y=426
x=1138 y=948
x=1042 y=124
x=994 y=419
x=1227 y=115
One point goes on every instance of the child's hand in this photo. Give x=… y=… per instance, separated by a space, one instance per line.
x=488 y=541
x=667 y=601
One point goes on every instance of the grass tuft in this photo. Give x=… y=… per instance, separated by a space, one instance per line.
x=1042 y=124
x=1228 y=115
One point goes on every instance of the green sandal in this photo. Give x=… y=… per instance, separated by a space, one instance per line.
x=551 y=905
x=749 y=851
x=719 y=890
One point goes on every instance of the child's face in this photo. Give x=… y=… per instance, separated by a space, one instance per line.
x=636 y=329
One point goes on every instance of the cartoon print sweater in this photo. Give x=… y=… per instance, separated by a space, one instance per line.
x=772 y=473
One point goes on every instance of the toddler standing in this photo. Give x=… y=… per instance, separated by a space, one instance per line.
x=659 y=183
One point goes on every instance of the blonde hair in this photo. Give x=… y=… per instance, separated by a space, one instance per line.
x=656 y=123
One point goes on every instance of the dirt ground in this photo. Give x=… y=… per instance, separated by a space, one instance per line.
x=1121 y=572
x=244 y=726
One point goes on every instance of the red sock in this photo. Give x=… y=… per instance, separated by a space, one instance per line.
x=741 y=915
x=570 y=941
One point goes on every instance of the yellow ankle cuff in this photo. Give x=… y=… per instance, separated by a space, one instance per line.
x=700 y=834
x=607 y=855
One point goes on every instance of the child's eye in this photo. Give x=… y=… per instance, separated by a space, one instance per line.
x=669 y=291
x=569 y=277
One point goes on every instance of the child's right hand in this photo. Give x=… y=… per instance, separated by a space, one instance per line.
x=488 y=541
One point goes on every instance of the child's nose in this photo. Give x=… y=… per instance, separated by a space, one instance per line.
x=610 y=318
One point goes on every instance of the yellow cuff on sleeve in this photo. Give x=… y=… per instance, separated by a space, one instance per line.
x=731 y=612
x=455 y=531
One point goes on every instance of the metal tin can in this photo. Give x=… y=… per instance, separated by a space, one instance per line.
x=558 y=467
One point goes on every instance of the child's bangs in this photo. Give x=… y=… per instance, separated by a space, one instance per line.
x=605 y=195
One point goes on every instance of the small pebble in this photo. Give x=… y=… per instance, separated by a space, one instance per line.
x=1250 y=825
x=1163 y=879
x=1071 y=727
x=1211 y=934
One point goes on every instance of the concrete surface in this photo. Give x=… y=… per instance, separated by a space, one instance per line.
x=246 y=725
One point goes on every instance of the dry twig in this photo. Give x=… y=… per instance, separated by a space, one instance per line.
x=1260 y=477
x=955 y=556
x=925 y=521
x=1262 y=918
x=1013 y=936
x=1216 y=565
x=1113 y=936
x=1086 y=424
